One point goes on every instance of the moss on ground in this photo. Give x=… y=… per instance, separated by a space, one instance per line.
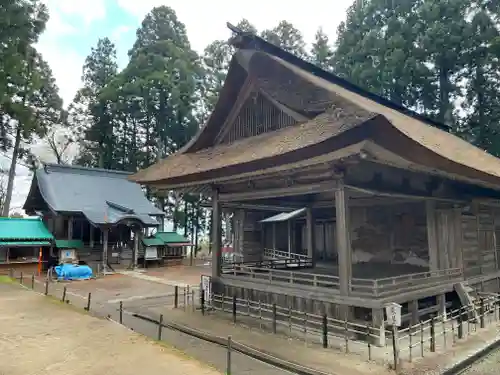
x=6 y=279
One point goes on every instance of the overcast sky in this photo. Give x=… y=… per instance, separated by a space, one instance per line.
x=76 y=25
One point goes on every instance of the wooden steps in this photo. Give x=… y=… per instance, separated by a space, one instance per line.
x=465 y=293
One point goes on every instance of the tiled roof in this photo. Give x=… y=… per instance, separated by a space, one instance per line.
x=103 y=196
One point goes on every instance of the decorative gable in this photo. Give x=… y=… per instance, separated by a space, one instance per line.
x=257 y=115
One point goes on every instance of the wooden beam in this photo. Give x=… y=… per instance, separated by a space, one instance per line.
x=216 y=235
x=290 y=112
x=343 y=238
x=243 y=95
x=310 y=234
x=255 y=207
x=393 y=194
x=432 y=238
x=279 y=192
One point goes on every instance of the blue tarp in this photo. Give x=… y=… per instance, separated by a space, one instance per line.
x=73 y=272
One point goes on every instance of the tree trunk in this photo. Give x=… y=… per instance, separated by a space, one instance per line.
x=185 y=218
x=12 y=173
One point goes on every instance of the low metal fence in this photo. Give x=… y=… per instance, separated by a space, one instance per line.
x=227 y=355
x=390 y=346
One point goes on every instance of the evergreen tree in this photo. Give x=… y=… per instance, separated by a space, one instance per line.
x=286 y=36
x=321 y=52
x=91 y=112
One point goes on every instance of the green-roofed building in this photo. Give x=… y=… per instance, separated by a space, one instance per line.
x=25 y=243
x=165 y=247
x=94 y=214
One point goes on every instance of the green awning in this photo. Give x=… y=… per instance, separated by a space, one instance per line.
x=152 y=242
x=172 y=238
x=24 y=243
x=23 y=229
x=69 y=244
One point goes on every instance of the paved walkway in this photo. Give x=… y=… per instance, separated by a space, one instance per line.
x=211 y=354
x=158 y=279
x=40 y=335
x=325 y=360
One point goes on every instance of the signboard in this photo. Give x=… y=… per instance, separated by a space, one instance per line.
x=393 y=312
x=206 y=287
x=151 y=253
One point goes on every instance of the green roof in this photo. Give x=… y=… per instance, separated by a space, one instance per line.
x=21 y=229
x=152 y=242
x=24 y=243
x=69 y=244
x=172 y=237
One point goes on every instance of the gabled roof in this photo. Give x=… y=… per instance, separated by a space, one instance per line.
x=24 y=229
x=172 y=239
x=102 y=196
x=338 y=115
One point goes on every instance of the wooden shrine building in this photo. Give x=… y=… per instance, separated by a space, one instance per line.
x=363 y=201
x=97 y=212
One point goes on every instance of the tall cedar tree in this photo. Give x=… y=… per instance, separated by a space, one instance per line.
x=29 y=100
x=92 y=113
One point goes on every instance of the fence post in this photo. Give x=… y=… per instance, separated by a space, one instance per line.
x=121 y=312
x=368 y=340
x=274 y=318
x=346 y=329
x=228 y=362
x=325 y=331
x=460 y=327
x=202 y=301
x=433 y=335
x=63 y=295
x=482 y=312
x=88 y=301
x=410 y=344
x=421 y=339
x=160 y=326
x=176 y=296
x=21 y=278
x=46 y=288
x=32 y=281
x=234 y=309
x=395 y=347
x=192 y=300
x=11 y=273
x=497 y=308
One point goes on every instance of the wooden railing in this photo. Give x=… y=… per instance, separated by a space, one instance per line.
x=274 y=271
x=279 y=254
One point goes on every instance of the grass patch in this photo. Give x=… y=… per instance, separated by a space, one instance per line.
x=6 y=279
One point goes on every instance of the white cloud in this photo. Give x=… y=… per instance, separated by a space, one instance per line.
x=206 y=20
x=87 y=10
x=66 y=65
x=119 y=31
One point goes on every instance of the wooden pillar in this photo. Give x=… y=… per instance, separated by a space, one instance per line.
x=82 y=222
x=70 y=228
x=379 y=325
x=432 y=240
x=441 y=300
x=310 y=234
x=274 y=236
x=413 y=307
x=343 y=238
x=216 y=235
x=137 y=235
x=105 y=232
x=91 y=235
x=289 y=223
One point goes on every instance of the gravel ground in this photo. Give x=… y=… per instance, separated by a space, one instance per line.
x=40 y=336
x=487 y=366
x=211 y=354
